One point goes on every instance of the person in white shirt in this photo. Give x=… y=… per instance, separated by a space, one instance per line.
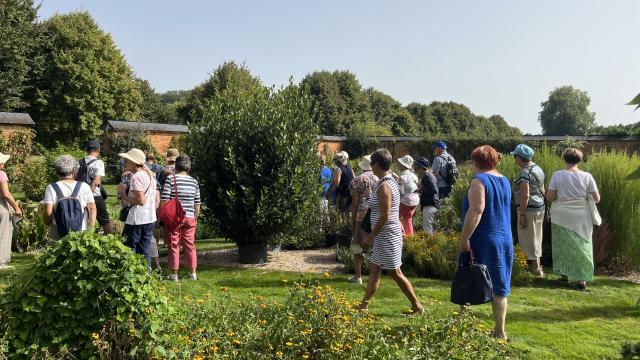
x=95 y=171
x=409 y=197
x=143 y=200
x=66 y=171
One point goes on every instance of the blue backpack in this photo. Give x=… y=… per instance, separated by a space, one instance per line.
x=68 y=212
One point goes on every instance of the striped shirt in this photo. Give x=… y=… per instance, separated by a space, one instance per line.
x=188 y=191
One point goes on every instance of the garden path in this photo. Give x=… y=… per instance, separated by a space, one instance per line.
x=316 y=260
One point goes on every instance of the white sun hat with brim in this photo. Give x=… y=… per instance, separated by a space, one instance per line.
x=365 y=163
x=406 y=161
x=137 y=156
x=4 y=158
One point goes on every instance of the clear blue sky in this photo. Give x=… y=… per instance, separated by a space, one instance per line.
x=497 y=57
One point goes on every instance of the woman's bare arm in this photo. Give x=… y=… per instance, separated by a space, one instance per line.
x=474 y=214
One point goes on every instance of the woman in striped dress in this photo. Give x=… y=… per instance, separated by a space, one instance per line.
x=386 y=236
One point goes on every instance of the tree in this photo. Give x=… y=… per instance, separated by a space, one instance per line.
x=389 y=113
x=422 y=115
x=151 y=107
x=566 y=112
x=339 y=102
x=86 y=81
x=224 y=77
x=19 y=60
x=254 y=154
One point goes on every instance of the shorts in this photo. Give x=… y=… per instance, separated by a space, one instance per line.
x=102 y=215
x=356 y=244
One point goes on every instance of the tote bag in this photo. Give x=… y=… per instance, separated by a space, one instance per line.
x=172 y=214
x=471 y=284
x=595 y=215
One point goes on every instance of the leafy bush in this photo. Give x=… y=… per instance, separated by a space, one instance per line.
x=30 y=233
x=17 y=143
x=254 y=154
x=345 y=257
x=630 y=351
x=431 y=255
x=308 y=229
x=77 y=287
x=32 y=176
x=119 y=142
x=316 y=322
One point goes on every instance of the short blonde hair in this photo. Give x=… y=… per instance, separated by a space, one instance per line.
x=572 y=156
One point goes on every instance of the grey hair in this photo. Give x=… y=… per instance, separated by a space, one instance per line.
x=65 y=165
x=183 y=163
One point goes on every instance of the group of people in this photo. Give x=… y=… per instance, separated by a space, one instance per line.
x=78 y=200
x=387 y=201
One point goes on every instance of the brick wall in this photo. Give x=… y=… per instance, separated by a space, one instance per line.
x=161 y=140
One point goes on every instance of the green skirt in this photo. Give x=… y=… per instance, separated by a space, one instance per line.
x=571 y=233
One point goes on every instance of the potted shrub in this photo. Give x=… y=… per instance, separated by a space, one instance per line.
x=254 y=153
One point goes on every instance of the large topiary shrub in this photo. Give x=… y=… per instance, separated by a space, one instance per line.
x=254 y=153
x=80 y=285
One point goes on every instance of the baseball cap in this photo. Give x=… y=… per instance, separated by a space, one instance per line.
x=440 y=144
x=423 y=162
x=92 y=145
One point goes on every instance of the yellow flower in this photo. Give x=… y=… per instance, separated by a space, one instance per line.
x=230 y=333
x=214 y=348
x=290 y=344
x=224 y=289
x=237 y=342
x=285 y=281
x=260 y=298
x=198 y=357
x=279 y=354
x=326 y=274
x=305 y=356
x=95 y=336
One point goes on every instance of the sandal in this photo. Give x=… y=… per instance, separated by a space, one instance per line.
x=502 y=336
x=419 y=311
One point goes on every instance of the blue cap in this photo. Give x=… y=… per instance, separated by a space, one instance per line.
x=523 y=151
x=422 y=162
x=440 y=144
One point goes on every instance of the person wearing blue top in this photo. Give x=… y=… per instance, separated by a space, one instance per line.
x=486 y=231
x=325 y=177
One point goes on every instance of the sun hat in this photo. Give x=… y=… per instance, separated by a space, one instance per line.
x=406 y=161
x=92 y=145
x=4 y=158
x=172 y=154
x=440 y=144
x=365 y=163
x=135 y=155
x=423 y=162
x=523 y=151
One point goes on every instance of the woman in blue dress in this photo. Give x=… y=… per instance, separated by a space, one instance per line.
x=486 y=229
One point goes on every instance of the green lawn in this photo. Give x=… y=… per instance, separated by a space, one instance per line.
x=549 y=319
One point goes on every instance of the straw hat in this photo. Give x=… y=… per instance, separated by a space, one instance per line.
x=135 y=155
x=4 y=158
x=365 y=163
x=406 y=161
x=172 y=154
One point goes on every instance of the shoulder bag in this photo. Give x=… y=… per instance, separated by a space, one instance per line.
x=471 y=284
x=172 y=214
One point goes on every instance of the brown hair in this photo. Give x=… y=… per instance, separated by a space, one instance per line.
x=572 y=156
x=485 y=157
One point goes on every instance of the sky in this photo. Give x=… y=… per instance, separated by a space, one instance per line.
x=496 y=57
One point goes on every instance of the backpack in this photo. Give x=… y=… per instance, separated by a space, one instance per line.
x=452 y=173
x=83 y=173
x=68 y=212
x=171 y=214
x=344 y=187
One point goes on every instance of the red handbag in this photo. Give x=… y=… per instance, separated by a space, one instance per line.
x=172 y=214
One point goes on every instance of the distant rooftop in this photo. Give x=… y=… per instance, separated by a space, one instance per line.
x=116 y=125
x=7 y=118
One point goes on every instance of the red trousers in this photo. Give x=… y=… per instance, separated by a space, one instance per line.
x=185 y=234
x=406 y=218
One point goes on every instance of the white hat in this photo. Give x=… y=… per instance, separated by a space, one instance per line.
x=365 y=163
x=135 y=155
x=406 y=161
x=4 y=158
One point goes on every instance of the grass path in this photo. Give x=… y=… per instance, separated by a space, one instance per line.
x=548 y=319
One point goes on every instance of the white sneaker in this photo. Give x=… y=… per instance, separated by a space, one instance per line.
x=355 y=280
x=193 y=276
x=172 y=277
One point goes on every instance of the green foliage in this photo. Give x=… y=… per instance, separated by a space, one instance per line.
x=78 y=286
x=86 y=81
x=19 y=144
x=32 y=176
x=121 y=142
x=254 y=154
x=630 y=351
x=566 y=112
x=226 y=76
x=635 y=101
x=151 y=107
x=432 y=255
x=307 y=231
x=389 y=114
x=19 y=61
x=316 y=322
x=345 y=257
x=173 y=101
x=31 y=233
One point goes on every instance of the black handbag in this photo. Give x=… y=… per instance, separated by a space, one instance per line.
x=124 y=213
x=471 y=284
x=366 y=222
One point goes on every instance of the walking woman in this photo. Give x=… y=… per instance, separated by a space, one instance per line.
x=6 y=202
x=341 y=182
x=188 y=193
x=570 y=191
x=486 y=231
x=409 y=198
x=386 y=237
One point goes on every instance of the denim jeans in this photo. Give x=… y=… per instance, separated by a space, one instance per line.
x=139 y=239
